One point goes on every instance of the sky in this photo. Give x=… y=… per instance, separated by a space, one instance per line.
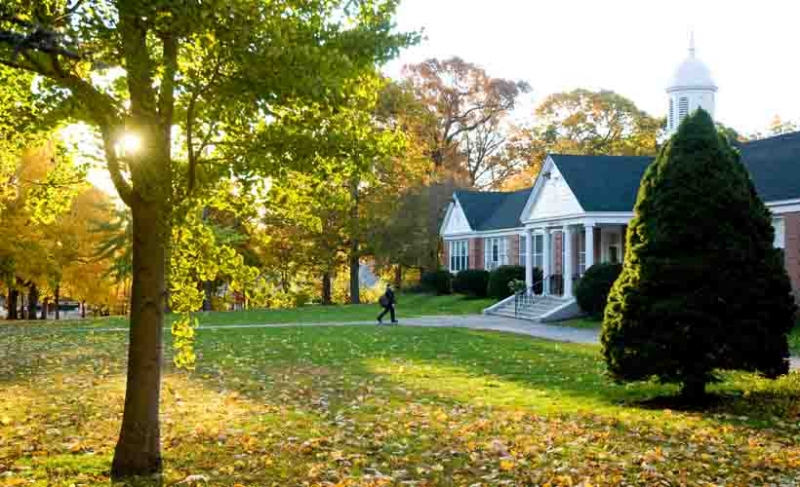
x=629 y=46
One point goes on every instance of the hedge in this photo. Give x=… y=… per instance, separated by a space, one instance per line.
x=438 y=282
x=472 y=282
x=593 y=288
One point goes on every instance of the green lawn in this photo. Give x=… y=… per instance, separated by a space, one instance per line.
x=794 y=336
x=408 y=306
x=375 y=406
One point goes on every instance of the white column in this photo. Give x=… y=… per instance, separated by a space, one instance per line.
x=568 y=271
x=589 y=245
x=546 y=262
x=529 y=258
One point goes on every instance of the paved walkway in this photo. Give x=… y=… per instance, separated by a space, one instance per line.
x=475 y=322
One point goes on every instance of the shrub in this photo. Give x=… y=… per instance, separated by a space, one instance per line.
x=702 y=287
x=437 y=282
x=517 y=286
x=593 y=288
x=500 y=277
x=472 y=282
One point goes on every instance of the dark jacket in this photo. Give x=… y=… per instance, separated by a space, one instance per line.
x=389 y=297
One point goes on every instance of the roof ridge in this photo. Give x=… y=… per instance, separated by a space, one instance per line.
x=774 y=138
x=600 y=155
x=471 y=191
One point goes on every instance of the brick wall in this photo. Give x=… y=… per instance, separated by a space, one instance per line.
x=476 y=253
x=792 y=250
x=558 y=266
x=513 y=250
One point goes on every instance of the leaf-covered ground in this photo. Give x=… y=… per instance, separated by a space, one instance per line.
x=794 y=336
x=364 y=406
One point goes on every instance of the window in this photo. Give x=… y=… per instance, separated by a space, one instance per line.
x=780 y=233
x=459 y=255
x=523 y=247
x=538 y=251
x=613 y=248
x=683 y=109
x=581 y=253
x=495 y=253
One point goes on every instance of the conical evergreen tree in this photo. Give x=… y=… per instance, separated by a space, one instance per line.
x=702 y=287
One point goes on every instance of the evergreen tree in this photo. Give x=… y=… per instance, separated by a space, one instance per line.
x=702 y=287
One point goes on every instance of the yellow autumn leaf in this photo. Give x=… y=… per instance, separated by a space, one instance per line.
x=507 y=464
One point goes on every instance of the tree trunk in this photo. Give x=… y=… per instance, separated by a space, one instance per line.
x=138 y=451
x=355 y=291
x=693 y=390
x=326 y=289
x=11 y=313
x=398 y=276
x=83 y=309
x=355 y=287
x=58 y=302
x=21 y=314
x=43 y=314
x=33 y=301
x=207 y=291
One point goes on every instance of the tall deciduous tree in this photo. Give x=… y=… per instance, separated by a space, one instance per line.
x=585 y=122
x=464 y=117
x=228 y=73
x=680 y=310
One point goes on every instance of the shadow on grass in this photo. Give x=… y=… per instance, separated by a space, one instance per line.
x=437 y=404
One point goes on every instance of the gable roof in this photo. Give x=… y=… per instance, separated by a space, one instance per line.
x=603 y=183
x=611 y=183
x=488 y=211
x=774 y=166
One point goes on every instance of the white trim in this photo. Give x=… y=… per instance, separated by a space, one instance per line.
x=450 y=254
x=455 y=203
x=779 y=223
x=487 y=233
x=547 y=166
x=446 y=217
x=783 y=206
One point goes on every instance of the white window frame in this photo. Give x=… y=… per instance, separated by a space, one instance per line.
x=581 y=246
x=459 y=255
x=538 y=251
x=779 y=226
x=492 y=246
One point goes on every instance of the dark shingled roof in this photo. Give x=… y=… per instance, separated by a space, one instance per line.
x=493 y=210
x=603 y=183
x=611 y=183
x=774 y=165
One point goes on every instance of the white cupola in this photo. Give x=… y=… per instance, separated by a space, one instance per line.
x=691 y=88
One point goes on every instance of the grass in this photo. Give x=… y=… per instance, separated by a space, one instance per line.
x=408 y=306
x=370 y=406
x=590 y=324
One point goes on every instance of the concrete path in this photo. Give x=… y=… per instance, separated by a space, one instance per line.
x=474 y=322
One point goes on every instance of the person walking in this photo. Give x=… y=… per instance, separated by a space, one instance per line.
x=387 y=302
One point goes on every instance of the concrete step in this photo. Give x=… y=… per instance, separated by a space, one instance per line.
x=529 y=309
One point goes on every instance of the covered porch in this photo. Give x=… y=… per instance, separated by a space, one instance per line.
x=563 y=250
